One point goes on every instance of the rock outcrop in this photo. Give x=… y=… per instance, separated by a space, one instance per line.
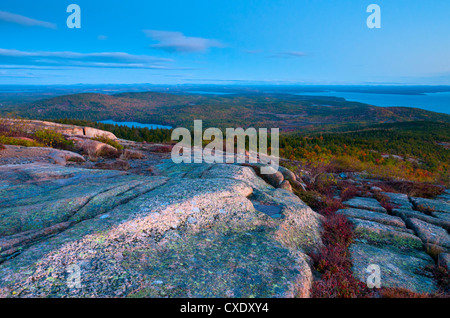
x=195 y=230
x=21 y=155
x=403 y=244
x=69 y=130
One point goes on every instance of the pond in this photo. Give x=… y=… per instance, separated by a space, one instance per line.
x=134 y=124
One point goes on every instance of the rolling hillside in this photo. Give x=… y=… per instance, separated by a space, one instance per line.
x=288 y=112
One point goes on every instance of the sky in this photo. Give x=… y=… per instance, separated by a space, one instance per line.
x=225 y=42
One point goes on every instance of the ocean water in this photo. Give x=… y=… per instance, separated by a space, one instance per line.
x=134 y=124
x=436 y=102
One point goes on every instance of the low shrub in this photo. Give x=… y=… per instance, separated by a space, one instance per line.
x=348 y=193
x=313 y=199
x=53 y=139
x=109 y=141
x=2 y=147
x=19 y=142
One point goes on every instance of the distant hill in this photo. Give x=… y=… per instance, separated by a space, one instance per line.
x=289 y=112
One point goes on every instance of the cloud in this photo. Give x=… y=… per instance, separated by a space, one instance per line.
x=178 y=42
x=42 y=59
x=102 y=37
x=253 y=51
x=289 y=54
x=23 y=20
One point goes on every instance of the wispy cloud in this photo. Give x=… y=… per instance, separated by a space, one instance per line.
x=5 y=73
x=288 y=54
x=253 y=51
x=39 y=59
x=178 y=42
x=23 y=20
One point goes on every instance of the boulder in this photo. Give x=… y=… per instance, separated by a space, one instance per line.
x=287 y=174
x=132 y=154
x=94 y=132
x=62 y=156
x=285 y=185
x=95 y=148
x=274 y=179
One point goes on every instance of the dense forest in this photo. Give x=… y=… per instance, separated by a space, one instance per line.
x=417 y=151
x=124 y=132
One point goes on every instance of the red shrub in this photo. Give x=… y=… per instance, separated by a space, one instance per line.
x=349 y=193
x=442 y=277
x=385 y=202
x=400 y=293
x=415 y=189
x=331 y=258
x=337 y=231
x=340 y=285
x=330 y=206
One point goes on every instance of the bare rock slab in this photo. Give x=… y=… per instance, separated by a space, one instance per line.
x=365 y=204
x=398 y=270
x=429 y=233
x=399 y=199
x=385 y=235
x=373 y=216
x=430 y=205
x=444 y=260
x=191 y=233
x=435 y=219
x=441 y=215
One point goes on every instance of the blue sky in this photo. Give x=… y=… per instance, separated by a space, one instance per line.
x=218 y=41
